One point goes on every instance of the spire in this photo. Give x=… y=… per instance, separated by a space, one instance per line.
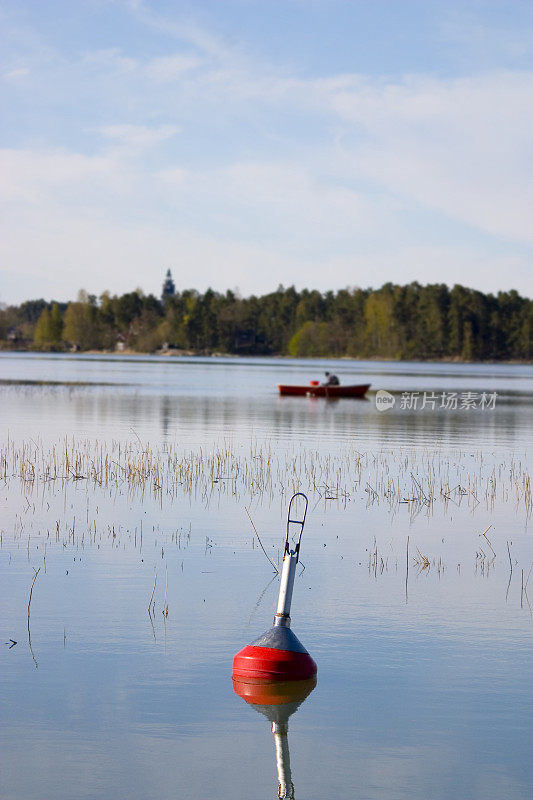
x=169 y=289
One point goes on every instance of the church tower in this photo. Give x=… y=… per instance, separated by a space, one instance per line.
x=169 y=289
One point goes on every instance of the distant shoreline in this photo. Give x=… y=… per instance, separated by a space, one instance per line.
x=175 y=353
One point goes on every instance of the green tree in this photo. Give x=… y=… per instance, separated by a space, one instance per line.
x=411 y=321
x=48 y=328
x=313 y=339
x=432 y=314
x=80 y=328
x=467 y=353
x=526 y=339
x=56 y=324
x=42 y=332
x=380 y=329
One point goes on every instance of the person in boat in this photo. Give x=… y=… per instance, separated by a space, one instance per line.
x=331 y=380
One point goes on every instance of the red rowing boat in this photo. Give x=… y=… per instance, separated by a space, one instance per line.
x=314 y=390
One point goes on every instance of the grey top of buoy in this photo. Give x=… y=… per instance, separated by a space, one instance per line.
x=280 y=638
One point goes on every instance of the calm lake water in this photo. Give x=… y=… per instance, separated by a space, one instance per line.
x=425 y=678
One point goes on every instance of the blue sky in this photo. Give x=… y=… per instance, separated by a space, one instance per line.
x=246 y=144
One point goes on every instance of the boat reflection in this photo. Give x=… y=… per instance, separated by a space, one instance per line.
x=278 y=701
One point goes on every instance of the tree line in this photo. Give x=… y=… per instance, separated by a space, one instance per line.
x=393 y=322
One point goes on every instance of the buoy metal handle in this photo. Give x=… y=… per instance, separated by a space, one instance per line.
x=288 y=570
x=291 y=521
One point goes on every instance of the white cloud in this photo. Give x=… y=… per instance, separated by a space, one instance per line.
x=59 y=246
x=13 y=74
x=111 y=61
x=105 y=223
x=139 y=136
x=97 y=254
x=322 y=181
x=173 y=177
x=43 y=177
x=459 y=146
x=185 y=30
x=279 y=202
x=170 y=68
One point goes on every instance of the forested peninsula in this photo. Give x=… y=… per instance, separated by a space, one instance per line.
x=394 y=322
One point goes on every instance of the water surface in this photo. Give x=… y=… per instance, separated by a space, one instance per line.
x=425 y=680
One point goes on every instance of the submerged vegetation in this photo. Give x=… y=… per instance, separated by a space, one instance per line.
x=418 y=480
x=396 y=322
x=88 y=494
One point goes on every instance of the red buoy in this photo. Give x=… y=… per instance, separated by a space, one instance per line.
x=278 y=655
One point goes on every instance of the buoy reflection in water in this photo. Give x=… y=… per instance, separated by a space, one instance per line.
x=277 y=701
